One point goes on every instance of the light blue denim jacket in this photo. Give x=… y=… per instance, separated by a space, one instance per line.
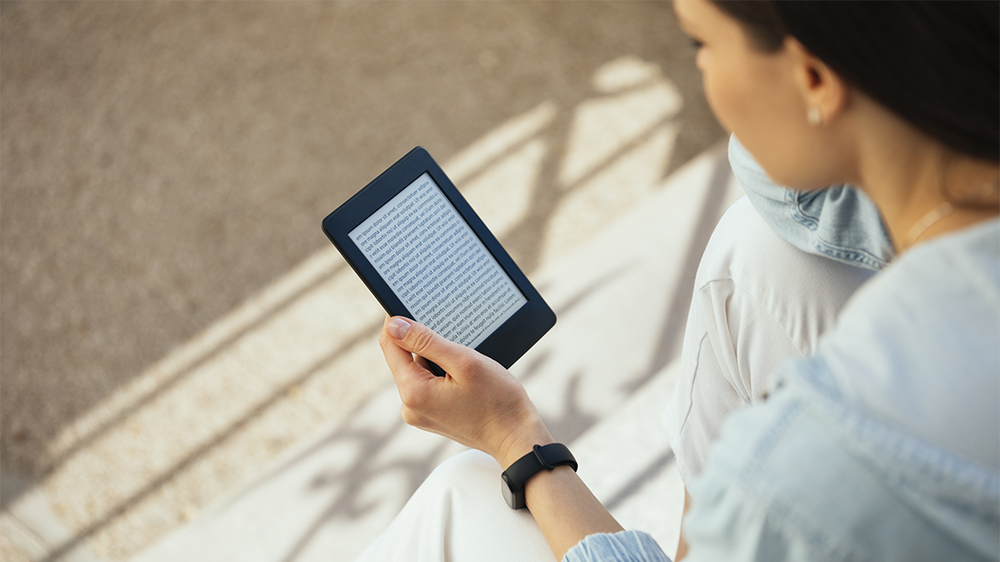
x=838 y=222
x=884 y=445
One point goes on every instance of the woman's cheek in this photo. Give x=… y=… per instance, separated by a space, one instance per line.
x=720 y=98
x=701 y=59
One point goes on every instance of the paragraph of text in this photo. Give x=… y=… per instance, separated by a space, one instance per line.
x=437 y=266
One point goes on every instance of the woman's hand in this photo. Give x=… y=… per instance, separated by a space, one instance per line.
x=478 y=403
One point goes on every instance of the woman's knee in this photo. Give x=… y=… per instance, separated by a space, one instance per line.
x=468 y=469
x=803 y=292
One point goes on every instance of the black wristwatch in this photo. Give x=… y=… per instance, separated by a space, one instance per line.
x=545 y=457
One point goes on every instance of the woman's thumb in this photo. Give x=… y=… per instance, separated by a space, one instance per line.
x=421 y=340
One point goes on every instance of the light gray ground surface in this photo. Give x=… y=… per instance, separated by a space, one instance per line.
x=172 y=320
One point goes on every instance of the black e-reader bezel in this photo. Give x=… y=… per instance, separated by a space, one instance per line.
x=508 y=342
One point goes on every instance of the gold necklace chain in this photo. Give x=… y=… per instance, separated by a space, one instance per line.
x=945 y=209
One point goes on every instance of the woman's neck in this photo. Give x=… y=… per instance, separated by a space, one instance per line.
x=922 y=189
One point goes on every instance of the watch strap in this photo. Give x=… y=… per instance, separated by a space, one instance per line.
x=541 y=457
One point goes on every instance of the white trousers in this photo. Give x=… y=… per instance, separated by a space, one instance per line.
x=757 y=301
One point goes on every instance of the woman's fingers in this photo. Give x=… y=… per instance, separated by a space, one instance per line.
x=422 y=341
x=400 y=361
x=480 y=404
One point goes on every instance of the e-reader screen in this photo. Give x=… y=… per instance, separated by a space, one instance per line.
x=425 y=254
x=436 y=265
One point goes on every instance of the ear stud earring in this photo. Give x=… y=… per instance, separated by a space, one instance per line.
x=814 y=117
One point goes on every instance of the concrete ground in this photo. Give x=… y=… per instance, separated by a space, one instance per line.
x=172 y=320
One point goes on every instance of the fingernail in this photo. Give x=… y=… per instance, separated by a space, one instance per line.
x=397 y=328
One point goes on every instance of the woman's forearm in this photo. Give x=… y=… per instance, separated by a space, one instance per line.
x=563 y=506
x=565 y=509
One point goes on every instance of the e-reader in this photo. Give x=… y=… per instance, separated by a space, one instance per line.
x=426 y=255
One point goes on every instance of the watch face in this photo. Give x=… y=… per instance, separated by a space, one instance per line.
x=508 y=494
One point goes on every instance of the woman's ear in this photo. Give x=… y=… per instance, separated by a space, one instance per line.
x=823 y=91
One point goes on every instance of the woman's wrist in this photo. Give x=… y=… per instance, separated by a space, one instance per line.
x=520 y=443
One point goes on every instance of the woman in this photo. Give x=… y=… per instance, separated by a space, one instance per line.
x=883 y=443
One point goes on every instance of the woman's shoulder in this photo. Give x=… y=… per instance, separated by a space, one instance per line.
x=917 y=346
x=967 y=260
x=885 y=444
x=952 y=278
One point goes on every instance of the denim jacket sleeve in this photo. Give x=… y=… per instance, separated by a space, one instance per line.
x=623 y=546
x=838 y=222
x=807 y=477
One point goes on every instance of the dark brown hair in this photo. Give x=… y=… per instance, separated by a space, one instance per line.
x=935 y=64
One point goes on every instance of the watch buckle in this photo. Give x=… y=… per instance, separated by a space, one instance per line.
x=538 y=455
